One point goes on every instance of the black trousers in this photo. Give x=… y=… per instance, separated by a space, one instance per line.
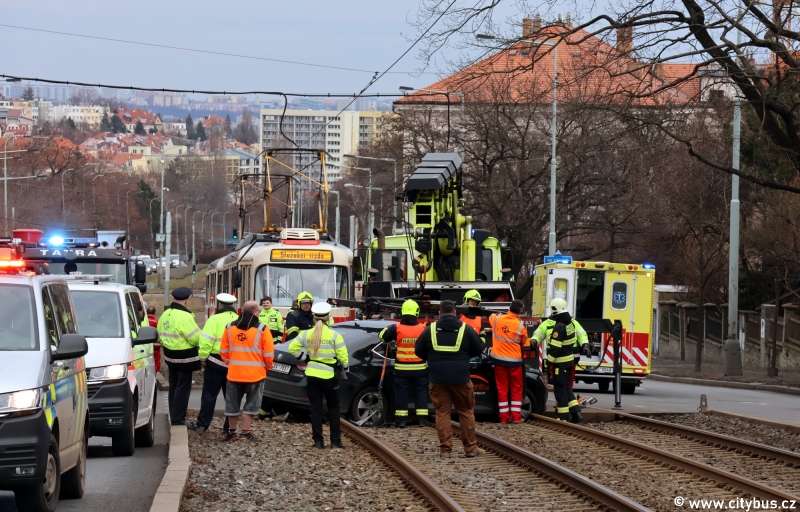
x=418 y=385
x=214 y=378
x=318 y=389
x=180 y=387
x=565 y=398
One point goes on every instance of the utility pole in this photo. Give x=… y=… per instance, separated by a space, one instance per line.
x=353 y=234
x=185 y=245
x=337 y=214
x=733 y=246
x=194 y=254
x=167 y=262
x=160 y=236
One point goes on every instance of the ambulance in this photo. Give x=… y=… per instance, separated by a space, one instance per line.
x=595 y=290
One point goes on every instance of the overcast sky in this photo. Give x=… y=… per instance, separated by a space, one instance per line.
x=360 y=34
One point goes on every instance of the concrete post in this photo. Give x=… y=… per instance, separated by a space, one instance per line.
x=767 y=310
x=788 y=313
x=682 y=330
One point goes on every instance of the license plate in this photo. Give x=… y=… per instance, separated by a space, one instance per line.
x=603 y=369
x=281 y=368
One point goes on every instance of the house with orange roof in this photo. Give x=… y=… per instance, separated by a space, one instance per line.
x=130 y=117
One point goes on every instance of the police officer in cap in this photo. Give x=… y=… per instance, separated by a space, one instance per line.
x=301 y=319
x=216 y=371
x=180 y=338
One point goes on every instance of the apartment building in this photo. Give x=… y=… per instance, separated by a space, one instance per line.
x=89 y=114
x=337 y=133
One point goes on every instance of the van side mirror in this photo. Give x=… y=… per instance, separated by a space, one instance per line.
x=140 y=273
x=145 y=336
x=71 y=346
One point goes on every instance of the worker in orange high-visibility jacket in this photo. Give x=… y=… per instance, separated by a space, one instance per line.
x=509 y=335
x=247 y=348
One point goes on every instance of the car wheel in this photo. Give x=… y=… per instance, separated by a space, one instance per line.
x=628 y=389
x=604 y=385
x=123 y=445
x=43 y=497
x=535 y=399
x=370 y=406
x=73 y=482
x=145 y=436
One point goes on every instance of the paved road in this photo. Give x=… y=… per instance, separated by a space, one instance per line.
x=660 y=396
x=121 y=484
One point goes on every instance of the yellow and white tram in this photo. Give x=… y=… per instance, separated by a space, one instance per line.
x=281 y=265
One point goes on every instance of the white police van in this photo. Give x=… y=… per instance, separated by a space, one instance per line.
x=121 y=370
x=43 y=406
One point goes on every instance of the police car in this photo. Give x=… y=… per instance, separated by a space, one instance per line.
x=120 y=366
x=44 y=430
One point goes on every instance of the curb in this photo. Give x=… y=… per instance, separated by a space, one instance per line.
x=161 y=382
x=726 y=384
x=170 y=491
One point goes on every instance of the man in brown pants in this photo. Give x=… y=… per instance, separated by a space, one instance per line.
x=447 y=345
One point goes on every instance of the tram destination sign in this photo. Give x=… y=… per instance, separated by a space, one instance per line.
x=279 y=255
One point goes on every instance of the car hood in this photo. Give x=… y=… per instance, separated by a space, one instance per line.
x=23 y=370
x=108 y=351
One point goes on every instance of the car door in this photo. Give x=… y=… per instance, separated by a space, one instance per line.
x=139 y=363
x=68 y=378
x=147 y=353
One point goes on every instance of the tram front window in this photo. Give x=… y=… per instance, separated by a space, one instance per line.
x=285 y=282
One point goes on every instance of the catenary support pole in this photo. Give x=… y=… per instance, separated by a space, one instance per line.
x=167 y=261
x=733 y=246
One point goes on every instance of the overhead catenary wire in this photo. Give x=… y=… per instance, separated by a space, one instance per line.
x=196 y=50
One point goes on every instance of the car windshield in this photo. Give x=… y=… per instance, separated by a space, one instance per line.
x=116 y=269
x=17 y=318
x=99 y=313
x=284 y=282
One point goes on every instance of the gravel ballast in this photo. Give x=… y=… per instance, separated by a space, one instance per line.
x=734 y=427
x=284 y=472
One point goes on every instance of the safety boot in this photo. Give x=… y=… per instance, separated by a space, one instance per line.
x=576 y=417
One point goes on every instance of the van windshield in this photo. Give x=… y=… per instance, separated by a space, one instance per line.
x=99 y=313
x=17 y=318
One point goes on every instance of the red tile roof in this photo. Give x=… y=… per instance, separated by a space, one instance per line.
x=589 y=69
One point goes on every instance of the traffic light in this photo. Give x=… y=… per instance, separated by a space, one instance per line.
x=235 y=233
x=194 y=269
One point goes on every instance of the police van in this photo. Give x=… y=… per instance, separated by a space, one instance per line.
x=120 y=365
x=44 y=431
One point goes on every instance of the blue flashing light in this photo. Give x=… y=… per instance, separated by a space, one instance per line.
x=648 y=266
x=563 y=260
x=56 y=240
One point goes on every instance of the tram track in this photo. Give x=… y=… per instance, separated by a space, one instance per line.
x=770 y=466
x=507 y=477
x=609 y=451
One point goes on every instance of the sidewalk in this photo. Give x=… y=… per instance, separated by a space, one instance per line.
x=787 y=381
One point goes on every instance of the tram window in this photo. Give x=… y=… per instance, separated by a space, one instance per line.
x=619 y=295
x=284 y=282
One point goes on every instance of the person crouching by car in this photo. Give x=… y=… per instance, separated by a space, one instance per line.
x=447 y=346
x=247 y=348
x=325 y=353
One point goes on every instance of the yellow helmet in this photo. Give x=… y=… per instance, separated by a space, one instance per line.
x=472 y=294
x=304 y=297
x=558 y=306
x=410 y=307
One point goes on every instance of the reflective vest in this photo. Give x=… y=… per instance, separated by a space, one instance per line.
x=560 y=351
x=545 y=330
x=179 y=335
x=248 y=354
x=474 y=322
x=331 y=349
x=447 y=348
x=272 y=319
x=211 y=336
x=406 y=341
x=507 y=337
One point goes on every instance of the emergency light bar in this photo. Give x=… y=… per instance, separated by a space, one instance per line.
x=648 y=266
x=563 y=260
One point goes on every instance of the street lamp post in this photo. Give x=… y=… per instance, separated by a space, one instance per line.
x=224 y=230
x=185 y=245
x=178 y=238
x=202 y=228
x=394 y=189
x=211 y=222
x=161 y=233
x=381 y=202
x=337 y=213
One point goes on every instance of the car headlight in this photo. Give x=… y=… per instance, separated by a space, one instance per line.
x=113 y=372
x=29 y=400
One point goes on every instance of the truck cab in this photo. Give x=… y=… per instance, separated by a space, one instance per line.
x=120 y=364
x=44 y=427
x=603 y=290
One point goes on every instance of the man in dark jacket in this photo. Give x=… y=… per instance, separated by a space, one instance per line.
x=301 y=318
x=447 y=346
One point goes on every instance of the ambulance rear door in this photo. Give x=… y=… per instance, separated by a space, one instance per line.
x=561 y=284
x=628 y=298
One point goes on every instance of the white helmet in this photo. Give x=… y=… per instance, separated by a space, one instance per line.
x=558 y=306
x=321 y=309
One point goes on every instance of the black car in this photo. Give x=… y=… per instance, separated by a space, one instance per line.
x=285 y=387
